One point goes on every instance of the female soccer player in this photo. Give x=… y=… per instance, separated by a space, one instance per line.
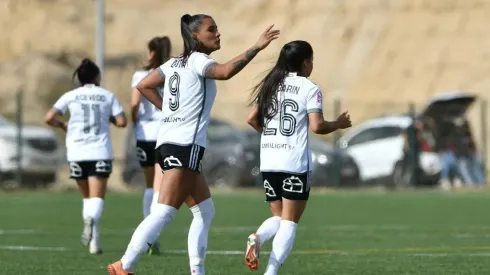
x=287 y=104
x=88 y=143
x=189 y=93
x=146 y=118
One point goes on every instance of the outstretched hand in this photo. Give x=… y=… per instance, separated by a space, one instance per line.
x=266 y=37
x=343 y=121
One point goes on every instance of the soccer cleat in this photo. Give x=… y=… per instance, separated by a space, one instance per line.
x=154 y=249
x=253 y=252
x=94 y=248
x=87 y=231
x=116 y=269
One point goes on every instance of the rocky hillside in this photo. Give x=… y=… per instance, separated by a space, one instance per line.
x=375 y=55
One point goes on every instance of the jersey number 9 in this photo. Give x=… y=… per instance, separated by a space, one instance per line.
x=174 y=84
x=287 y=121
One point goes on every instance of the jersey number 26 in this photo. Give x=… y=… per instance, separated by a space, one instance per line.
x=287 y=121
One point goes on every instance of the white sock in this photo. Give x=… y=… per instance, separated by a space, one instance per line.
x=147 y=201
x=281 y=246
x=197 y=241
x=85 y=208
x=268 y=229
x=154 y=200
x=146 y=234
x=96 y=207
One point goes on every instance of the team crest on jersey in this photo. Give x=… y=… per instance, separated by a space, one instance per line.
x=269 y=191
x=319 y=97
x=293 y=184
x=172 y=161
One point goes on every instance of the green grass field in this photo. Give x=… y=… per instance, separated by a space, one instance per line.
x=351 y=232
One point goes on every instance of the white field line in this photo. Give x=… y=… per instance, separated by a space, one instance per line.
x=16 y=231
x=406 y=251
x=32 y=248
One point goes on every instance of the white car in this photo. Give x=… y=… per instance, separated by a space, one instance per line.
x=41 y=154
x=377 y=147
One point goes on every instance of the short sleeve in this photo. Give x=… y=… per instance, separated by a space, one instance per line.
x=161 y=70
x=315 y=101
x=137 y=77
x=62 y=104
x=117 y=109
x=200 y=62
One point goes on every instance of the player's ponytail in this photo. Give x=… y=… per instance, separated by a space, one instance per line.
x=190 y=24
x=87 y=72
x=291 y=59
x=161 y=48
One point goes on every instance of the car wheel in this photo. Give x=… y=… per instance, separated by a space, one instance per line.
x=353 y=180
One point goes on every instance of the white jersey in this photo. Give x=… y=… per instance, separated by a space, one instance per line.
x=284 y=141
x=88 y=136
x=149 y=116
x=187 y=100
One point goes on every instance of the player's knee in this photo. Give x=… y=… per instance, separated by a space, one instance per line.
x=204 y=210
x=163 y=211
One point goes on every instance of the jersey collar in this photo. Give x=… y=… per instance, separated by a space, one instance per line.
x=292 y=74
x=89 y=85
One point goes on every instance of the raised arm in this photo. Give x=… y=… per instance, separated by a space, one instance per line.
x=231 y=68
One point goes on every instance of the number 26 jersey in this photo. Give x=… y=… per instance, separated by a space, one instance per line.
x=88 y=137
x=284 y=140
x=187 y=100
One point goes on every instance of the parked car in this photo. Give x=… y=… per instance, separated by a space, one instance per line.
x=228 y=160
x=452 y=128
x=41 y=154
x=377 y=144
x=377 y=147
x=331 y=166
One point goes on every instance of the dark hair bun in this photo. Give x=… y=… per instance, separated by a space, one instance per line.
x=186 y=18
x=86 y=61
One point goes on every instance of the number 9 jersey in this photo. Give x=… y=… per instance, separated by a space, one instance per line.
x=187 y=100
x=88 y=136
x=284 y=141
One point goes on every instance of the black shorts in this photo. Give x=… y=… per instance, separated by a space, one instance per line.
x=81 y=170
x=278 y=185
x=145 y=152
x=171 y=156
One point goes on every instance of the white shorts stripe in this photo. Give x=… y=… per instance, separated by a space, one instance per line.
x=194 y=157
